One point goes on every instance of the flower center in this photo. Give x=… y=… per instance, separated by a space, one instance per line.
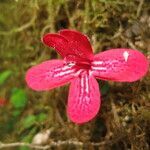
x=84 y=65
x=77 y=62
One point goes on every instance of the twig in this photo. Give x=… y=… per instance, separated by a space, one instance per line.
x=55 y=144
x=45 y=28
x=128 y=41
x=23 y=27
x=139 y=8
x=119 y=34
x=86 y=16
x=19 y=29
x=116 y=117
x=69 y=15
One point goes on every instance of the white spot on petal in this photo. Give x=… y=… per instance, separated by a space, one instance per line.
x=126 y=55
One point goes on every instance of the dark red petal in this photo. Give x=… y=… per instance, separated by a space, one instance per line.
x=84 y=99
x=58 y=42
x=78 y=42
x=125 y=65
x=49 y=74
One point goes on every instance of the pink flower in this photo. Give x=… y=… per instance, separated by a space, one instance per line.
x=80 y=67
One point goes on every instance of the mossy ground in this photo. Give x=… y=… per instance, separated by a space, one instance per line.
x=124 y=119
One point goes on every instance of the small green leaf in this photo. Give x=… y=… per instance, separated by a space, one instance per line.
x=19 y=98
x=24 y=148
x=16 y=113
x=41 y=117
x=105 y=88
x=4 y=76
x=28 y=138
x=29 y=121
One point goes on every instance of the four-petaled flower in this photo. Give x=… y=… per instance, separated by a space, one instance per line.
x=80 y=67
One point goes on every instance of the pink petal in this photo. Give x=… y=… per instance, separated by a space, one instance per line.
x=49 y=74
x=79 y=43
x=58 y=42
x=84 y=99
x=120 y=65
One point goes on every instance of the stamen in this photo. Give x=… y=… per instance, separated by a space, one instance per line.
x=70 y=64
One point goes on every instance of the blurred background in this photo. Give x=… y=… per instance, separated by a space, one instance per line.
x=124 y=118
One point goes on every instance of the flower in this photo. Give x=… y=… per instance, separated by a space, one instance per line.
x=80 y=67
x=3 y=102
